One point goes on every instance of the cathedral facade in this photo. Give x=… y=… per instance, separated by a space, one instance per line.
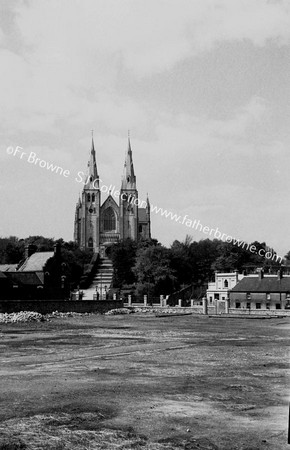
x=99 y=225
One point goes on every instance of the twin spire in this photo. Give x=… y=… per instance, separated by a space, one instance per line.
x=128 y=179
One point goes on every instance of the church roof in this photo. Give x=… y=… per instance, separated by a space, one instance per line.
x=110 y=201
x=36 y=262
x=142 y=215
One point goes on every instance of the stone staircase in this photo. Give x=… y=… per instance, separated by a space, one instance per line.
x=102 y=278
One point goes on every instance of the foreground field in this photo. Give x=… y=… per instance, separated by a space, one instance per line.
x=141 y=382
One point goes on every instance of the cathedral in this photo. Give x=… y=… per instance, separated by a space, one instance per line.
x=99 y=225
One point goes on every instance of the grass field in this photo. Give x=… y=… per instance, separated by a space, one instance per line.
x=141 y=382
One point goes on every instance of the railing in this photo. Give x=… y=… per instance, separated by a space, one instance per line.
x=89 y=273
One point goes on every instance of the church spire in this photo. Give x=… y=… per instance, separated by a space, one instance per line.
x=147 y=204
x=129 y=178
x=92 y=175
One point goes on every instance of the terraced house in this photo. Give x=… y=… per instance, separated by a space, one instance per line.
x=261 y=292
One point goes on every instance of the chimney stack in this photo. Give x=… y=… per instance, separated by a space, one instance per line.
x=56 y=249
x=29 y=250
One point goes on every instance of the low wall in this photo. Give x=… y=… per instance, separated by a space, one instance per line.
x=259 y=312
x=48 y=306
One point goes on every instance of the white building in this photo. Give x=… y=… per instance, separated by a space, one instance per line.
x=218 y=290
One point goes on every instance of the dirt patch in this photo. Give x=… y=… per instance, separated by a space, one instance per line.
x=134 y=382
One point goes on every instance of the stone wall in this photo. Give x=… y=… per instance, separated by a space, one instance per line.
x=48 y=306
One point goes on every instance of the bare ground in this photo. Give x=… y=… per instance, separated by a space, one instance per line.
x=141 y=382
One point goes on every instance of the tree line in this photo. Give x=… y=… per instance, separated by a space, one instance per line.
x=149 y=267
x=155 y=269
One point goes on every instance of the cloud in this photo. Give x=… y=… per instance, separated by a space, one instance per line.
x=145 y=36
x=71 y=66
x=71 y=57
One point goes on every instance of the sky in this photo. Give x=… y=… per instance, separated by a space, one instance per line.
x=202 y=85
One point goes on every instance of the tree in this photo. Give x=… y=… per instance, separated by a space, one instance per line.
x=12 y=251
x=153 y=270
x=123 y=256
x=181 y=262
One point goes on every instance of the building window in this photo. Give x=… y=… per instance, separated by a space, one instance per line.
x=109 y=220
x=226 y=284
x=278 y=306
x=210 y=299
x=267 y=305
x=93 y=197
x=248 y=305
x=90 y=242
x=258 y=305
x=238 y=304
x=216 y=296
x=89 y=197
x=140 y=228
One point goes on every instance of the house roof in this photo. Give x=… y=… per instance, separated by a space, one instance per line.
x=266 y=284
x=36 y=262
x=8 y=267
x=25 y=278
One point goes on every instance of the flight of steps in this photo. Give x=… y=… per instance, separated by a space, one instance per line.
x=103 y=277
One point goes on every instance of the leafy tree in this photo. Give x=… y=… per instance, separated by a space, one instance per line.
x=42 y=243
x=12 y=251
x=181 y=262
x=153 y=270
x=123 y=255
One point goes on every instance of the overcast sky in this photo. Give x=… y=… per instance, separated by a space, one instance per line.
x=203 y=86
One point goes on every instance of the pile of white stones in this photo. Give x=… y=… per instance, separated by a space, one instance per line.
x=56 y=314
x=22 y=316
x=114 y=312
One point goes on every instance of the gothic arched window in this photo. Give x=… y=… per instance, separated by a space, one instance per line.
x=109 y=220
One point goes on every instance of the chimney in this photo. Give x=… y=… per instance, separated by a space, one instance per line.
x=280 y=274
x=29 y=250
x=56 y=249
x=261 y=274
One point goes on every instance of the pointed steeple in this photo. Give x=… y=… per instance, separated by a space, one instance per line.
x=92 y=174
x=148 y=204
x=129 y=178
